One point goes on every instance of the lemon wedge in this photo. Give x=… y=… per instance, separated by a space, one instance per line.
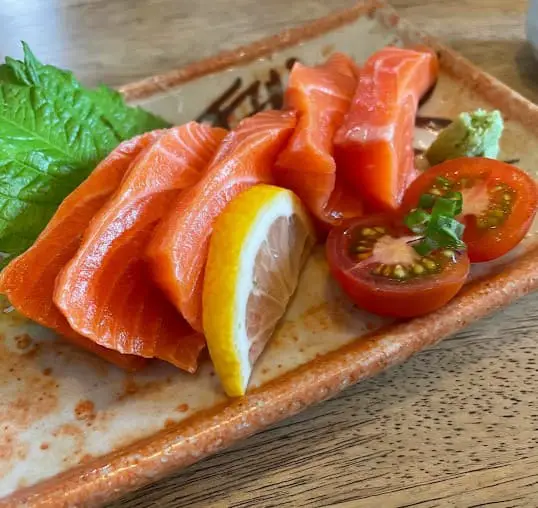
x=258 y=247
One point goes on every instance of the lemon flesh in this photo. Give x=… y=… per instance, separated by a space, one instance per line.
x=258 y=247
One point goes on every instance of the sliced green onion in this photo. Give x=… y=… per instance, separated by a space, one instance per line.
x=417 y=220
x=441 y=180
x=444 y=207
x=439 y=229
x=426 y=201
x=425 y=246
x=457 y=198
x=446 y=231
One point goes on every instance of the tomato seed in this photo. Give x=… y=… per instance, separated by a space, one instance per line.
x=386 y=271
x=369 y=232
x=429 y=264
x=418 y=269
x=399 y=272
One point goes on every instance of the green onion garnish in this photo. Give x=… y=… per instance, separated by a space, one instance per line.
x=444 y=182
x=417 y=220
x=435 y=220
x=444 y=207
x=457 y=198
x=426 y=201
x=447 y=231
x=425 y=246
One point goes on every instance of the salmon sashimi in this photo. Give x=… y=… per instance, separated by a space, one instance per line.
x=105 y=291
x=374 y=146
x=321 y=95
x=28 y=281
x=343 y=64
x=178 y=251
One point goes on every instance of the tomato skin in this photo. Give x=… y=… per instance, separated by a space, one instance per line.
x=384 y=296
x=485 y=244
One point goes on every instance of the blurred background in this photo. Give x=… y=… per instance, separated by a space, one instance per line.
x=118 y=41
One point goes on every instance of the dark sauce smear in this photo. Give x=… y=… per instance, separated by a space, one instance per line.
x=431 y=123
x=222 y=112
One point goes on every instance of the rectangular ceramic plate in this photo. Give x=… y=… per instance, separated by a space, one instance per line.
x=74 y=430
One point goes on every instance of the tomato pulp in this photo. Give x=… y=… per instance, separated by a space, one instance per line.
x=499 y=202
x=374 y=262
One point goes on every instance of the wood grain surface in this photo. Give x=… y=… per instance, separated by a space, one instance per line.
x=455 y=426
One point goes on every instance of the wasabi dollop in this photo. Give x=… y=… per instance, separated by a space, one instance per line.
x=475 y=134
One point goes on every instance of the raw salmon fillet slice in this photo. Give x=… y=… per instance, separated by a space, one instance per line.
x=178 y=251
x=105 y=291
x=28 y=281
x=373 y=147
x=321 y=95
x=343 y=64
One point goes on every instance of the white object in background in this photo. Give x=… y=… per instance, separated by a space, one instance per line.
x=532 y=25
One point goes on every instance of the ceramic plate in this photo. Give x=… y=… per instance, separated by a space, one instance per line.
x=74 y=430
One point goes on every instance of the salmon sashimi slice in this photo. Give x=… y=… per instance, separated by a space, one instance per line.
x=374 y=146
x=321 y=95
x=343 y=64
x=28 y=281
x=106 y=291
x=178 y=251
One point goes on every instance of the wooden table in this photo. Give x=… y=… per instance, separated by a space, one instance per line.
x=455 y=426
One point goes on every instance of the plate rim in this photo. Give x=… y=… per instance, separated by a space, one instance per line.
x=209 y=431
x=242 y=55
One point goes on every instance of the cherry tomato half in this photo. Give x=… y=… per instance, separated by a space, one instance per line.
x=499 y=202
x=376 y=266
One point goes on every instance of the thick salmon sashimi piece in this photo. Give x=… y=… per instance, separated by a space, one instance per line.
x=178 y=251
x=105 y=291
x=321 y=95
x=28 y=281
x=374 y=146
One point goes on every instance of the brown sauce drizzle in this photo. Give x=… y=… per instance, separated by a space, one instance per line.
x=434 y=124
x=222 y=111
